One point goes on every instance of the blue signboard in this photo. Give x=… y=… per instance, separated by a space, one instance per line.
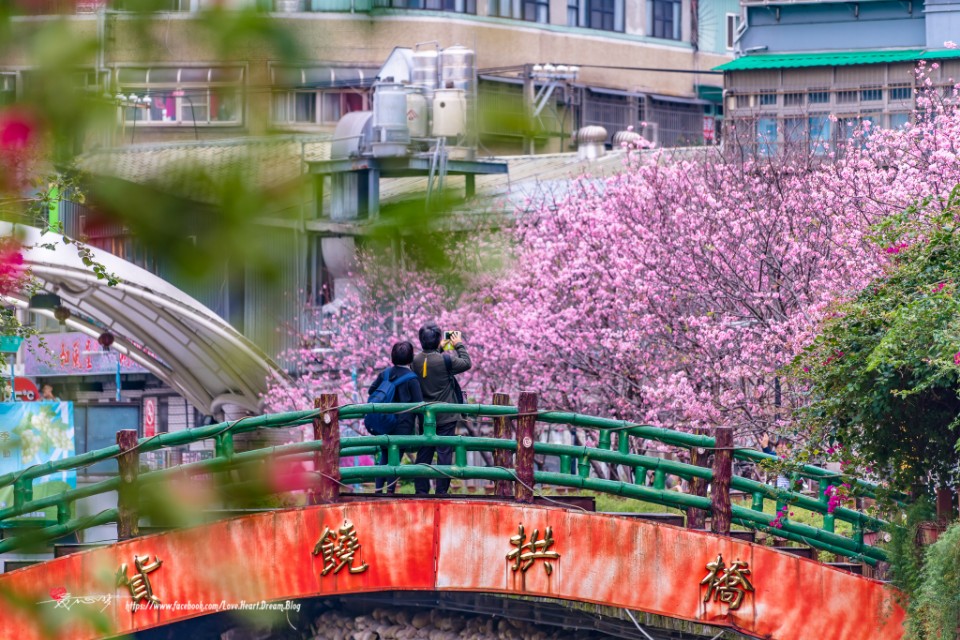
x=33 y=433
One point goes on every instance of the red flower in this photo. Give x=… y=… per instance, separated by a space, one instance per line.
x=17 y=136
x=11 y=265
x=57 y=593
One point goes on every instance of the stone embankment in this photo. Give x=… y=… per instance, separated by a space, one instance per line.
x=417 y=624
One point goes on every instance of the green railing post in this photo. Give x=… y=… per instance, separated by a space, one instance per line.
x=460 y=455
x=429 y=422
x=128 y=498
x=623 y=441
x=604 y=439
x=526 y=420
x=63 y=513
x=327 y=426
x=223 y=445
x=22 y=491
x=393 y=455
x=697 y=518
x=828 y=522
x=565 y=465
x=757 y=503
x=659 y=479
x=502 y=457
x=722 y=472
x=583 y=466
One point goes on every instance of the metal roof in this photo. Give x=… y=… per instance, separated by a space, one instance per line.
x=183 y=343
x=755 y=62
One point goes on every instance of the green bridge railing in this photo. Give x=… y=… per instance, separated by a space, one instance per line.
x=517 y=479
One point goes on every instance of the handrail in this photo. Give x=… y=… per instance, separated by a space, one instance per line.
x=636 y=429
x=226 y=459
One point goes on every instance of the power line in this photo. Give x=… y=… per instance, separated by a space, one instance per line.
x=493 y=70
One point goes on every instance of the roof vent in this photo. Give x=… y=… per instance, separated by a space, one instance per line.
x=627 y=139
x=590 y=142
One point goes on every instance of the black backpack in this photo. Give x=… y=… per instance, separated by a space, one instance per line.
x=458 y=392
x=382 y=424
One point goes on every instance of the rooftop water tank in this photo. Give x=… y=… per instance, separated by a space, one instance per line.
x=426 y=69
x=458 y=65
x=449 y=113
x=391 y=135
x=418 y=113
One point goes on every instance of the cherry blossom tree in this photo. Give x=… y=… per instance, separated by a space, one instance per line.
x=675 y=292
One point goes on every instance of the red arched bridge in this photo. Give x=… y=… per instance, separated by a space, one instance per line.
x=504 y=544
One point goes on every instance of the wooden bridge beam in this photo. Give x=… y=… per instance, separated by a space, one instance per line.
x=722 y=471
x=128 y=462
x=326 y=428
x=526 y=420
x=502 y=457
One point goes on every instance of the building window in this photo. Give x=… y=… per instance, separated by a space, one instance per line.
x=573 y=13
x=316 y=107
x=767 y=136
x=8 y=88
x=819 y=133
x=793 y=99
x=536 y=11
x=733 y=21
x=529 y=10
x=794 y=130
x=872 y=94
x=898 y=120
x=189 y=95
x=663 y=18
x=154 y=5
x=602 y=14
x=847 y=97
x=901 y=93
x=767 y=99
x=818 y=97
x=455 y=6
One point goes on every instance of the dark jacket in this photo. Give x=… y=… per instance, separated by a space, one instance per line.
x=436 y=384
x=409 y=391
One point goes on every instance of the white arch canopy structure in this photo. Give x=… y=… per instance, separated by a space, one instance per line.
x=158 y=326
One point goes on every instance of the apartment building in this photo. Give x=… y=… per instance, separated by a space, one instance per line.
x=639 y=61
x=800 y=62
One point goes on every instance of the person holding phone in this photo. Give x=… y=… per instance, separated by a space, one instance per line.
x=444 y=356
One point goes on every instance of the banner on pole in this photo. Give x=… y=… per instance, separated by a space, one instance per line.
x=33 y=433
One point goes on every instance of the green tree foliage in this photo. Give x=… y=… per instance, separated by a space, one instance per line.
x=883 y=373
x=934 y=607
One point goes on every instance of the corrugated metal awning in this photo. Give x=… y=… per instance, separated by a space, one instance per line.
x=156 y=325
x=755 y=62
x=323 y=77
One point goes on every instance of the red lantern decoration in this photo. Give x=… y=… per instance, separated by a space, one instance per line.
x=106 y=339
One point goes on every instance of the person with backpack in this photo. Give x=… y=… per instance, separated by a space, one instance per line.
x=436 y=367
x=394 y=384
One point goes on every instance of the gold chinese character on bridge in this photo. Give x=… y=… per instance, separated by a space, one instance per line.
x=527 y=552
x=727 y=584
x=339 y=549
x=139 y=584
